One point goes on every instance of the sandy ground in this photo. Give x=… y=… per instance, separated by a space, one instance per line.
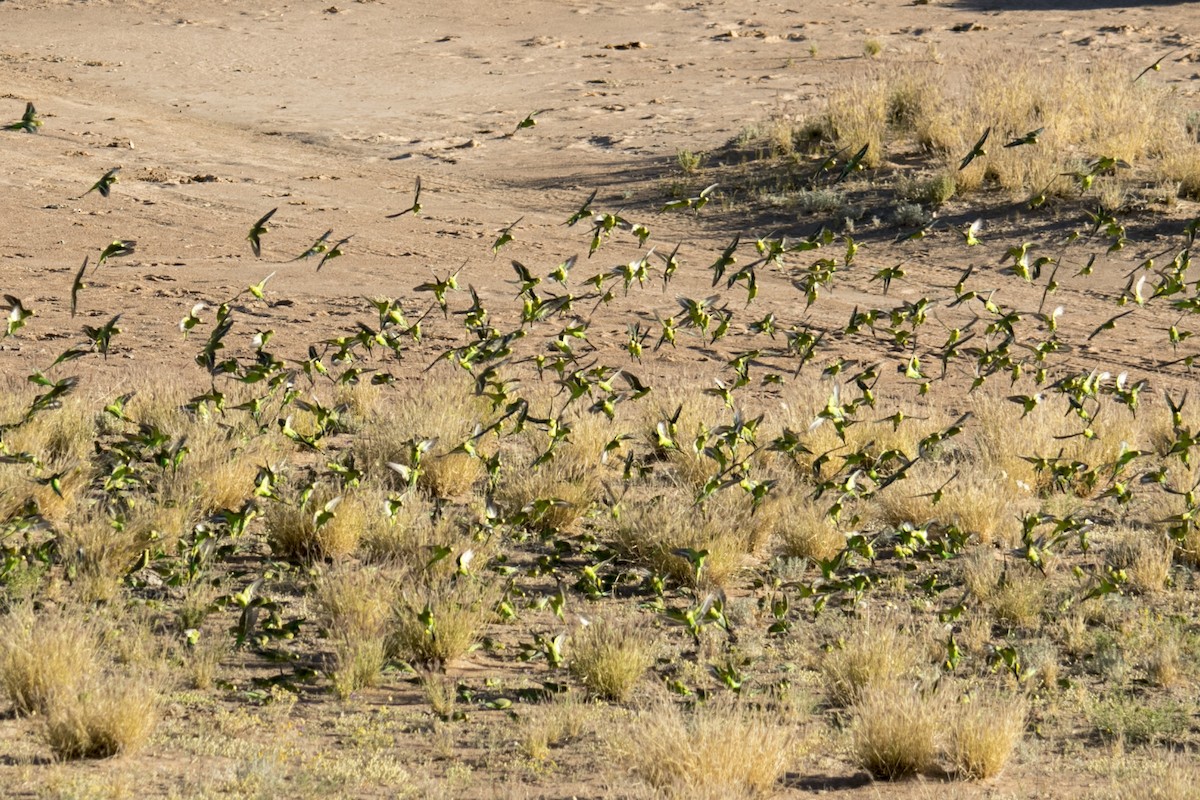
x=217 y=112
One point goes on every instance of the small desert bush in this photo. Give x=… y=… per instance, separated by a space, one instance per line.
x=894 y=729
x=876 y=652
x=439 y=622
x=610 y=657
x=327 y=526
x=931 y=190
x=1139 y=720
x=720 y=750
x=100 y=716
x=43 y=655
x=984 y=731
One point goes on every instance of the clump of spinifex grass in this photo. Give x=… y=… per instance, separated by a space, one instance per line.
x=323 y=525
x=101 y=552
x=1063 y=113
x=557 y=722
x=959 y=494
x=984 y=730
x=555 y=494
x=695 y=545
x=1145 y=555
x=722 y=749
x=805 y=529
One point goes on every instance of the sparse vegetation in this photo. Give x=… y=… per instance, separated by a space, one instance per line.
x=865 y=443
x=726 y=750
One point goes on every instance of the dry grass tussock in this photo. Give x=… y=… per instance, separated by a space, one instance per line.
x=1005 y=456
x=52 y=665
x=437 y=621
x=43 y=654
x=722 y=749
x=805 y=529
x=1084 y=111
x=444 y=411
x=658 y=533
x=985 y=729
x=896 y=426
x=101 y=716
x=971 y=500
x=557 y=493
x=939 y=110
x=100 y=552
x=356 y=605
x=1144 y=554
x=895 y=729
x=327 y=526
x=677 y=427
x=875 y=652
x=59 y=441
x=558 y=722
x=610 y=657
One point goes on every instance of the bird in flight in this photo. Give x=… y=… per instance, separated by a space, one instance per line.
x=104 y=185
x=696 y=203
x=528 y=122
x=318 y=247
x=1156 y=66
x=258 y=230
x=1029 y=138
x=120 y=247
x=584 y=211
x=29 y=121
x=415 y=208
x=506 y=236
x=976 y=151
x=970 y=233
x=332 y=252
x=77 y=285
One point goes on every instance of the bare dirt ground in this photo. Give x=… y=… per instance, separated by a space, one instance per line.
x=217 y=112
